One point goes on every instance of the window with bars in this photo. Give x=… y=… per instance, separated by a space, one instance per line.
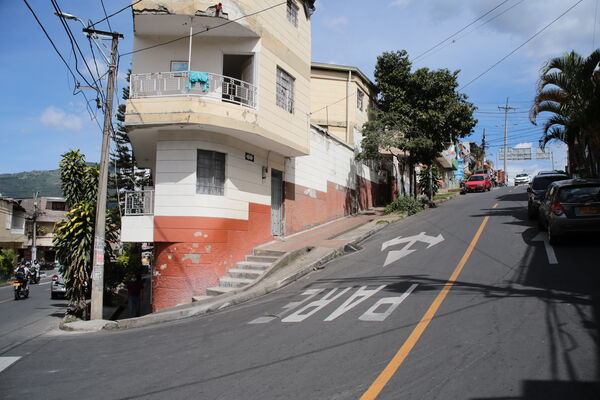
x=285 y=90
x=292 y=12
x=360 y=98
x=210 y=173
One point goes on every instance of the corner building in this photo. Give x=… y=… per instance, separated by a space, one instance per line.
x=219 y=111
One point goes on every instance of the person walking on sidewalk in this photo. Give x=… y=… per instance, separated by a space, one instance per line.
x=134 y=294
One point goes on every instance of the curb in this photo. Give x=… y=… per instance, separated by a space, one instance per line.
x=256 y=289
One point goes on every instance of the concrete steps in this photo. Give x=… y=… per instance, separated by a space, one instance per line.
x=244 y=273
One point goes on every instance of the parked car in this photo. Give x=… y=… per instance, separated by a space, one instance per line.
x=478 y=183
x=521 y=179
x=570 y=206
x=537 y=188
x=549 y=172
x=57 y=286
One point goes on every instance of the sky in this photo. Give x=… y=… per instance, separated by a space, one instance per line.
x=40 y=118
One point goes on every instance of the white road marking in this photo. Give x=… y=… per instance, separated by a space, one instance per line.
x=313 y=307
x=288 y=307
x=543 y=237
x=6 y=362
x=395 y=255
x=392 y=302
x=361 y=295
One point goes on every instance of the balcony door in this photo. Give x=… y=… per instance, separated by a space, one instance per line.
x=238 y=76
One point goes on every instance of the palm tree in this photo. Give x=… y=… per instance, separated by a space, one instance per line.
x=569 y=90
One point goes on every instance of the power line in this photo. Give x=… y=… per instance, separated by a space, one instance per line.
x=206 y=30
x=521 y=45
x=479 y=26
x=105 y=14
x=459 y=31
x=113 y=14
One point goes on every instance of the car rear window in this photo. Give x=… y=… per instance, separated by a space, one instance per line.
x=579 y=194
x=476 y=178
x=521 y=175
x=542 y=182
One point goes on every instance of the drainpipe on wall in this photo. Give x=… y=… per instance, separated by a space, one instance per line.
x=348 y=107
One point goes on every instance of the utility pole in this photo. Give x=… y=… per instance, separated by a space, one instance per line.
x=34 y=229
x=100 y=229
x=483 y=150
x=506 y=108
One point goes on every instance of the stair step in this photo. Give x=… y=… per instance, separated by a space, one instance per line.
x=260 y=266
x=244 y=273
x=217 y=290
x=274 y=253
x=201 y=298
x=234 y=282
x=268 y=259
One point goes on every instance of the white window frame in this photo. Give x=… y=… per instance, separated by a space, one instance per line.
x=284 y=92
x=214 y=180
x=292 y=12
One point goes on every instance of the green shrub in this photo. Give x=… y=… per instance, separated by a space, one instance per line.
x=8 y=263
x=404 y=204
x=424 y=181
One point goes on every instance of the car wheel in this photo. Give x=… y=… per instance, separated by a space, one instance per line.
x=553 y=239
x=16 y=295
x=540 y=222
x=531 y=214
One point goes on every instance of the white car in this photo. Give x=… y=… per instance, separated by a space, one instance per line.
x=57 y=285
x=521 y=179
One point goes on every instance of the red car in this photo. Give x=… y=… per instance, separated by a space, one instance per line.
x=478 y=183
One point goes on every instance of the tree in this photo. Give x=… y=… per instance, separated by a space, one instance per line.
x=569 y=89
x=419 y=114
x=126 y=176
x=8 y=262
x=74 y=237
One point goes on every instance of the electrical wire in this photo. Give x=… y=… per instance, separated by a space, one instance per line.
x=113 y=14
x=521 y=45
x=206 y=30
x=106 y=15
x=459 y=31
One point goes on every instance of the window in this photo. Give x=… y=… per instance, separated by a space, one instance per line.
x=210 y=173
x=359 y=99
x=285 y=90
x=179 y=66
x=292 y=12
x=57 y=206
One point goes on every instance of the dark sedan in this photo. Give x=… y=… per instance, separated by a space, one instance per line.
x=537 y=188
x=570 y=206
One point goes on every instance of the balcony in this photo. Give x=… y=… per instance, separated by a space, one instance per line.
x=139 y=202
x=174 y=84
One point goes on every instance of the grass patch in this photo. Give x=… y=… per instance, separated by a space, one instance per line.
x=70 y=318
x=441 y=196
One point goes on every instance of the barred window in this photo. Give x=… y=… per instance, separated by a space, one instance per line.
x=359 y=99
x=292 y=12
x=285 y=90
x=210 y=173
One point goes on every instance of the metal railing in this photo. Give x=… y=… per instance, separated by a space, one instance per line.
x=167 y=84
x=139 y=202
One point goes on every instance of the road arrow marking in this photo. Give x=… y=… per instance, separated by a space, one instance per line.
x=543 y=237
x=395 y=255
x=6 y=362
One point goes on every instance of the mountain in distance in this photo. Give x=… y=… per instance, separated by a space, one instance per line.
x=24 y=184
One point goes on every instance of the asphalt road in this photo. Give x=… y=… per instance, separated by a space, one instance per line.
x=511 y=324
x=28 y=318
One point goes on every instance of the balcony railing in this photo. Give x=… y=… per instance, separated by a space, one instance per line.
x=170 y=84
x=139 y=202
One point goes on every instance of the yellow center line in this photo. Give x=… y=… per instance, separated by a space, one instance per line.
x=389 y=371
x=4 y=301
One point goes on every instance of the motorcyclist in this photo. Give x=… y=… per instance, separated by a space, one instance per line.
x=35 y=271
x=22 y=274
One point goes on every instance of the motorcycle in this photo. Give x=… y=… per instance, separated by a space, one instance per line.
x=21 y=290
x=34 y=275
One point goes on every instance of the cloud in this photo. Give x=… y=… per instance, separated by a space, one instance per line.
x=400 y=3
x=55 y=118
x=337 y=24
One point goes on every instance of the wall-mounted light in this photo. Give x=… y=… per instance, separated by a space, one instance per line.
x=265 y=171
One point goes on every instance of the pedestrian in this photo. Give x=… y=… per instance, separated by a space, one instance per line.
x=134 y=295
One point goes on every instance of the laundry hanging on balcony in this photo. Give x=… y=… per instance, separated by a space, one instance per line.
x=197 y=77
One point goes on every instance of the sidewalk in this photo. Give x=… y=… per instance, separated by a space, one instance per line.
x=305 y=251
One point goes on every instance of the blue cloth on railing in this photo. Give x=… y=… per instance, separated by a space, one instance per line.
x=197 y=77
